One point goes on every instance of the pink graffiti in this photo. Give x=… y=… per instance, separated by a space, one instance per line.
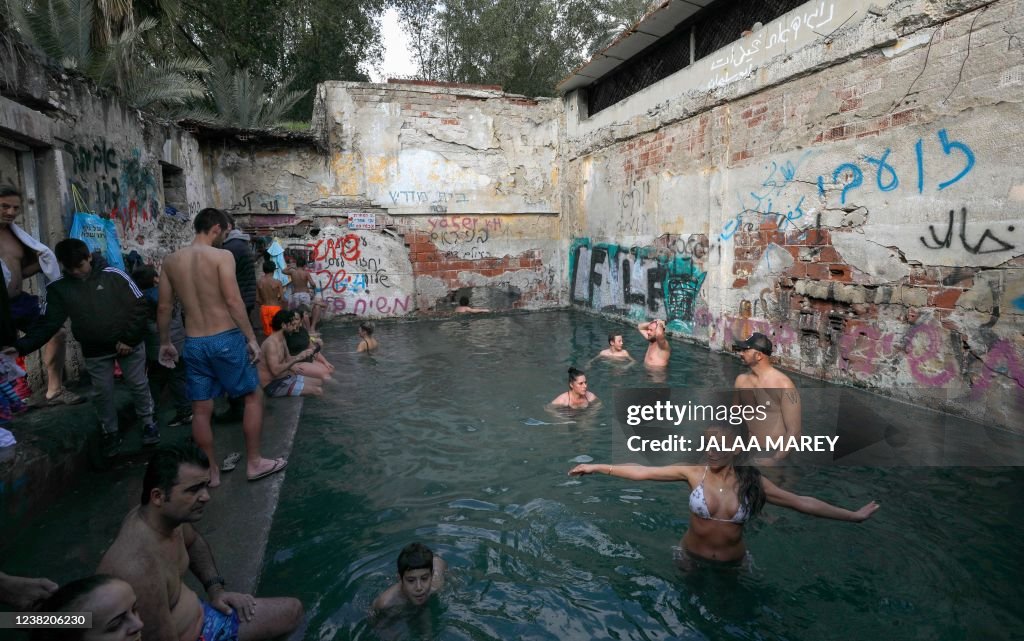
x=861 y=346
x=1001 y=358
x=921 y=358
x=361 y=306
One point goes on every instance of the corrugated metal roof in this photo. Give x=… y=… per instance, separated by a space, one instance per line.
x=657 y=23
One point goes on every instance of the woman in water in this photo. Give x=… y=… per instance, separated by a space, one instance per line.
x=111 y=602
x=577 y=397
x=724 y=497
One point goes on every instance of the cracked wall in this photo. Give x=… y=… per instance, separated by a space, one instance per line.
x=464 y=179
x=860 y=201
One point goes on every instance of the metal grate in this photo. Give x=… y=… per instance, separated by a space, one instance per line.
x=713 y=27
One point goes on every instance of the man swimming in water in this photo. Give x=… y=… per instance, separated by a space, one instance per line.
x=658 y=349
x=766 y=386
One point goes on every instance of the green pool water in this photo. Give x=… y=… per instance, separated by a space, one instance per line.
x=436 y=439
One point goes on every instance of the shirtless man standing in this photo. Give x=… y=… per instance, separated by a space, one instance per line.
x=157 y=543
x=277 y=375
x=767 y=386
x=20 y=262
x=303 y=285
x=220 y=347
x=269 y=296
x=658 y=349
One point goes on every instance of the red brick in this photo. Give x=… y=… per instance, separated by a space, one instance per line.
x=769 y=223
x=753 y=122
x=840 y=272
x=794 y=251
x=742 y=267
x=739 y=282
x=836 y=133
x=850 y=104
x=944 y=298
x=828 y=254
x=777 y=237
x=818 y=271
x=923 y=276
x=798 y=270
x=904 y=117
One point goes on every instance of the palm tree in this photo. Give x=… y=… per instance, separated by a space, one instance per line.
x=238 y=99
x=102 y=40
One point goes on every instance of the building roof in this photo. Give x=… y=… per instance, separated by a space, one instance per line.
x=655 y=24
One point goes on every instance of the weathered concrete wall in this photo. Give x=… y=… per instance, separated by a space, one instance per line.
x=860 y=200
x=462 y=183
x=72 y=147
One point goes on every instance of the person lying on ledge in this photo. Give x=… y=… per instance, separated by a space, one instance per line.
x=578 y=397
x=464 y=308
x=726 y=494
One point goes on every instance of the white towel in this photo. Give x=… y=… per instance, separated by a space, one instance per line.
x=47 y=260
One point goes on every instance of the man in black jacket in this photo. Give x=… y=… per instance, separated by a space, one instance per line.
x=108 y=317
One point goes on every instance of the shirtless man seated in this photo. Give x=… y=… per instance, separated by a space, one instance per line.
x=157 y=543
x=766 y=386
x=658 y=349
x=220 y=346
x=277 y=375
x=615 y=351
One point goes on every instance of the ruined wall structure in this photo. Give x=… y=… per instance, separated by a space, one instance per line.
x=859 y=199
x=457 y=188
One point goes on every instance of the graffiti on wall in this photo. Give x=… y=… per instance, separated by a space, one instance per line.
x=258 y=202
x=354 y=275
x=662 y=280
x=109 y=182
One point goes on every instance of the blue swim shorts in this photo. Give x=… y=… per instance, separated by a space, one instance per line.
x=218 y=364
x=218 y=626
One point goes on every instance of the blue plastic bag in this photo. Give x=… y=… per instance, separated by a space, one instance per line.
x=100 y=234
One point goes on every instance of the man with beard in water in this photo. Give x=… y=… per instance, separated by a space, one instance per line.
x=658 y=349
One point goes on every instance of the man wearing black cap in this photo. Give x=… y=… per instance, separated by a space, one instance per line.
x=770 y=388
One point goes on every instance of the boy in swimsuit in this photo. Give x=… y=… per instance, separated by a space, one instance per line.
x=420 y=574
x=269 y=296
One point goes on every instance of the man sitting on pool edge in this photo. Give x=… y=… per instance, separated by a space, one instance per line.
x=420 y=574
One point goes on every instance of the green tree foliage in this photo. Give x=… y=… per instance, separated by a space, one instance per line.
x=526 y=47
x=238 y=99
x=103 y=40
x=307 y=41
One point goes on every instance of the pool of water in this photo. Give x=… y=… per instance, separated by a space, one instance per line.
x=443 y=438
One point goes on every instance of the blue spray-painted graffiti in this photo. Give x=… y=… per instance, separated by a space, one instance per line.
x=772 y=199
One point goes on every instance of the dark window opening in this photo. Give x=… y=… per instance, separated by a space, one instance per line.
x=712 y=28
x=175 y=196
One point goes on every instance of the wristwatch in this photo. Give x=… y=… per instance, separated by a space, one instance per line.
x=216 y=579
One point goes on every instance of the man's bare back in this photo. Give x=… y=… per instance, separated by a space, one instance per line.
x=301 y=280
x=198 y=276
x=154 y=566
x=269 y=291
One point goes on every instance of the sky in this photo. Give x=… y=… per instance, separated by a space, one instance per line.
x=397 y=58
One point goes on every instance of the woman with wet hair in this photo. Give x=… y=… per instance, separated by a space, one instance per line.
x=111 y=602
x=726 y=493
x=577 y=397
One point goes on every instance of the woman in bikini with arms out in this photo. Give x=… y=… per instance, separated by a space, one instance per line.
x=577 y=397
x=724 y=497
